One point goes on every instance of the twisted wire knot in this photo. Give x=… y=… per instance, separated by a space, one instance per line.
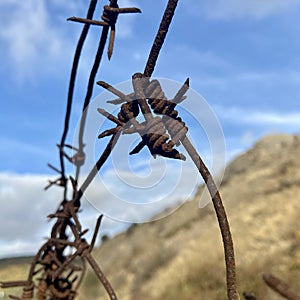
x=128 y=111
x=161 y=105
x=42 y=289
x=155 y=136
x=110 y=13
x=61 y=288
x=28 y=292
x=176 y=128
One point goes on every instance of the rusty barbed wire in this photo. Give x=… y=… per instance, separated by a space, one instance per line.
x=109 y=17
x=278 y=286
x=59 y=273
x=170 y=131
x=156 y=47
x=203 y=170
x=232 y=292
x=76 y=59
x=154 y=132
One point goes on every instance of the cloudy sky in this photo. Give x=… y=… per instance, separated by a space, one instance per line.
x=241 y=56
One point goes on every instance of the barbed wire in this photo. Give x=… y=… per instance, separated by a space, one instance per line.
x=203 y=170
x=170 y=131
x=76 y=59
x=59 y=273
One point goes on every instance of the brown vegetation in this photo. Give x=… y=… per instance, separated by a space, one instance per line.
x=180 y=256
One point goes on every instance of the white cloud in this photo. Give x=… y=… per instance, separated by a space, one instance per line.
x=24 y=209
x=236 y=9
x=257 y=78
x=36 y=39
x=283 y=120
x=28 y=35
x=25 y=205
x=271 y=118
x=135 y=195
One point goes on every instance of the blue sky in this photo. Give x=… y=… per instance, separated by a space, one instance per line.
x=241 y=56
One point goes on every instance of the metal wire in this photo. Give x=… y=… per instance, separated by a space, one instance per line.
x=76 y=59
x=169 y=130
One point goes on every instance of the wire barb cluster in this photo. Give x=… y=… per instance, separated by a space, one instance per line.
x=159 y=132
x=59 y=266
x=109 y=17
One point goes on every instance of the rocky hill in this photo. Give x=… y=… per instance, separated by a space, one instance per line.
x=181 y=256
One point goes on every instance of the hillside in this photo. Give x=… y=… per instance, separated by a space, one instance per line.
x=181 y=256
x=13 y=269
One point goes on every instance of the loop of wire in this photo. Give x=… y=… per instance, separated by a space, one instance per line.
x=28 y=292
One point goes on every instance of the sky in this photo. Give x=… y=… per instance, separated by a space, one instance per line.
x=242 y=58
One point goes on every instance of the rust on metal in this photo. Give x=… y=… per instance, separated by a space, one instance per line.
x=58 y=267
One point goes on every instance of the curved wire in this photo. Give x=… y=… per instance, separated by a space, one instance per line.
x=76 y=59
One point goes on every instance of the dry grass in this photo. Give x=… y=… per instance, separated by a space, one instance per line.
x=181 y=256
x=261 y=192
x=13 y=269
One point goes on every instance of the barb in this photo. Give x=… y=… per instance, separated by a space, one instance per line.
x=60 y=181
x=87 y=21
x=280 y=287
x=109 y=17
x=153 y=131
x=60 y=274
